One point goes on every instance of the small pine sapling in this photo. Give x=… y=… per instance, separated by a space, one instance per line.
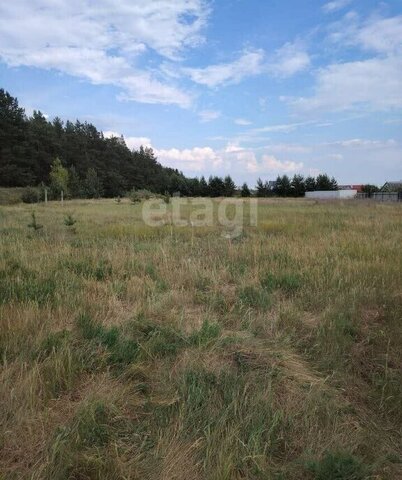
x=69 y=220
x=34 y=224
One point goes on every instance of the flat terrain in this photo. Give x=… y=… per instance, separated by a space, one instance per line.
x=131 y=352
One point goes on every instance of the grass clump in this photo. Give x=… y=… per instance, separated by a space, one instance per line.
x=157 y=340
x=27 y=288
x=89 y=268
x=254 y=297
x=53 y=342
x=121 y=350
x=208 y=332
x=287 y=282
x=338 y=466
x=76 y=450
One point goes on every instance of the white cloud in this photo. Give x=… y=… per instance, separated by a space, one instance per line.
x=370 y=83
x=242 y=121
x=378 y=35
x=272 y=166
x=209 y=115
x=133 y=143
x=282 y=128
x=101 y=43
x=335 y=5
x=382 y=35
x=375 y=84
x=289 y=60
x=287 y=148
x=195 y=159
x=248 y=64
x=359 y=143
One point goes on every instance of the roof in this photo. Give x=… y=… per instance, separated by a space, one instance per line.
x=392 y=186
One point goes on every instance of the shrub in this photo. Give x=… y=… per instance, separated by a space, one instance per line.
x=137 y=196
x=30 y=195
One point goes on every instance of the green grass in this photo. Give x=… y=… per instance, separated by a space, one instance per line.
x=172 y=353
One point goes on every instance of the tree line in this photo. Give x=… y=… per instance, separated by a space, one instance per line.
x=76 y=158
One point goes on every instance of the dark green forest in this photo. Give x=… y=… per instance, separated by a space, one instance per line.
x=76 y=158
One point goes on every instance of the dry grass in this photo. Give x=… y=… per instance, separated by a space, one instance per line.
x=131 y=352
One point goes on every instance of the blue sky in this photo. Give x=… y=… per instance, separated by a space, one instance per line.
x=254 y=88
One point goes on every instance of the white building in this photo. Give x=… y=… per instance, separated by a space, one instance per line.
x=332 y=194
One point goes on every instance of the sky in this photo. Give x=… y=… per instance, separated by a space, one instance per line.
x=250 y=88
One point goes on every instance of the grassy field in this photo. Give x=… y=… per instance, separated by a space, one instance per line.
x=131 y=352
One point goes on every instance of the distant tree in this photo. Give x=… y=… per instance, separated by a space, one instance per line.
x=229 y=186
x=334 y=184
x=75 y=186
x=283 y=186
x=15 y=167
x=262 y=188
x=370 y=189
x=93 y=187
x=323 y=182
x=204 y=189
x=216 y=187
x=297 y=185
x=310 y=184
x=245 y=191
x=59 y=179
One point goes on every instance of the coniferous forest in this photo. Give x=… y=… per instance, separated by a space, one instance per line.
x=76 y=158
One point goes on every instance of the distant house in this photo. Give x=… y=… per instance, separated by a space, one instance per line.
x=358 y=188
x=392 y=187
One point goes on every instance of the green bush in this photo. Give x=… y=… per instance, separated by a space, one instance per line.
x=137 y=196
x=30 y=195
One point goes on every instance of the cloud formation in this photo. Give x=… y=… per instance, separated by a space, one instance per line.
x=373 y=83
x=289 y=60
x=249 y=63
x=336 y=5
x=102 y=43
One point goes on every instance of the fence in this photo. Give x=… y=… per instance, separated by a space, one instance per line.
x=381 y=196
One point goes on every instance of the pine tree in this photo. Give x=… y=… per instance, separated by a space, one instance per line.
x=297 y=186
x=310 y=184
x=216 y=187
x=283 y=186
x=74 y=183
x=245 y=191
x=261 y=188
x=204 y=190
x=323 y=182
x=93 y=186
x=229 y=186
